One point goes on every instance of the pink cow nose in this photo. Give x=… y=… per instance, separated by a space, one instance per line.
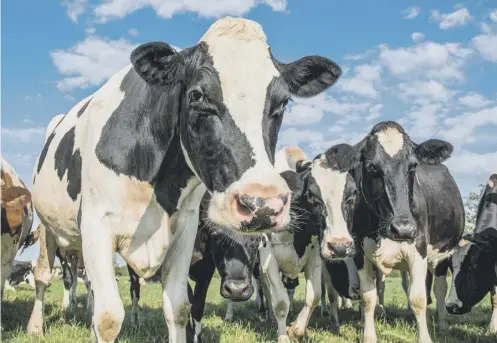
x=260 y=211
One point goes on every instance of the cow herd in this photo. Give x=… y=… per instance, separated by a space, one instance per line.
x=172 y=164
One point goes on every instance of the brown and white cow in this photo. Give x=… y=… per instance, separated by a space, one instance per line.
x=17 y=218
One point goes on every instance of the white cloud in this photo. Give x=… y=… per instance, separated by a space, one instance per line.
x=411 y=12
x=374 y=112
x=461 y=128
x=90 y=62
x=459 y=17
x=493 y=15
x=417 y=36
x=474 y=100
x=467 y=162
x=302 y=114
x=116 y=9
x=37 y=97
x=23 y=134
x=360 y=56
x=486 y=45
x=293 y=136
x=425 y=91
x=428 y=60
x=364 y=82
x=422 y=121
x=75 y=8
x=90 y=31
x=133 y=32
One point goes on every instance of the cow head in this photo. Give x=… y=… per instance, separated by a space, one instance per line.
x=474 y=261
x=232 y=97
x=14 y=201
x=387 y=174
x=234 y=260
x=344 y=277
x=328 y=196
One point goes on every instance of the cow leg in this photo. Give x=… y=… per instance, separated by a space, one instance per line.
x=74 y=286
x=276 y=294
x=334 y=299
x=43 y=274
x=202 y=272
x=312 y=272
x=134 y=291
x=291 y=295
x=418 y=267
x=493 y=320
x=380 y=287
x=174 y=273
x=440 y=292
x=405 y=286
x=346 y=303
x=229 y=311
x=324 y=306
x=368 y=296
x=67 y=281
x=108 y=309
x=89 y=294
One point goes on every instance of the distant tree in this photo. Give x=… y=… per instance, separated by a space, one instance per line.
x=471 y=207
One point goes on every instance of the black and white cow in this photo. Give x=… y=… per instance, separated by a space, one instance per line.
x=474 y=262
x=22 y=271
x=126 y=168
x=300 y=249
x=409 y=215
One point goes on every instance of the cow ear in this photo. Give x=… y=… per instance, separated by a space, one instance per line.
x=157 y=63
x=294 y=182
x=433 y=151
x=309 y=75
x=302 y=165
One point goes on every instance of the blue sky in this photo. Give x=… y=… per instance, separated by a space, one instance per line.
x=430 y=67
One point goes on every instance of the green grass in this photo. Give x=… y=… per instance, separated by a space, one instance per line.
x=247 y=326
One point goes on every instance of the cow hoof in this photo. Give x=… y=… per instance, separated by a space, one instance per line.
x=284 y=339
x=335 y=329
x=380 y=312
x=35 y=329
x=293 y=331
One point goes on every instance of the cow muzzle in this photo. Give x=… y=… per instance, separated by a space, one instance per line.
x=402 y=229
x=338 y=248
x=237 y=290
x=258 y=209
x=456 y=308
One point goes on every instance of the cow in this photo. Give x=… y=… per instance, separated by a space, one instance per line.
x=474 y=261
x=302 y=247
x=17 y=219
x=126 y=168
x=22 y=271
x=401 y=219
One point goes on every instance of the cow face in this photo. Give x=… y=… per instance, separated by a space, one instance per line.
x=474 y=261
x=329 y=196
x=235 y=263
x=233 y=95
x=387 y=174
x=344 y=277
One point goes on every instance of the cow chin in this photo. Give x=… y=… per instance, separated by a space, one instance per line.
x=225 y=211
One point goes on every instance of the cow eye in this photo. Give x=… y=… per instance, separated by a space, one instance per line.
x=278 y=112
x=196 y=95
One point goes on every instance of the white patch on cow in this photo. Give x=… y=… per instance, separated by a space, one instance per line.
x=390 y=255
x=241 y=57
x=457 y=259
x=332 y=186
x=198 y=328
x=54 y=121
x=229 y=312
x=29 y=278
x=391 y=140
x=287 y=157
x=435 y=256
x=283 y=251
x=66 y=299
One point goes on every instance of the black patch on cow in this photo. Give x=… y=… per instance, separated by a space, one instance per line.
x=44 y=151
x=381 y=126
x=78 y=217
x=68 y=160
x=82 y=109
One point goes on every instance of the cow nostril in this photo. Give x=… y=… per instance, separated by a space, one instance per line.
x=245 y=204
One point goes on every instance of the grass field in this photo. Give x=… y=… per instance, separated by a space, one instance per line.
x=247 y=326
